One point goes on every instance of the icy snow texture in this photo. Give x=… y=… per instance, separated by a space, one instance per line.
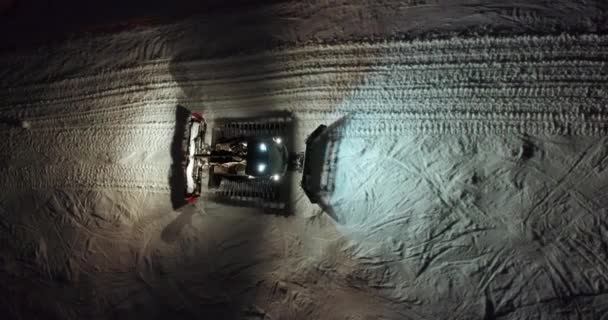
x=470 y=179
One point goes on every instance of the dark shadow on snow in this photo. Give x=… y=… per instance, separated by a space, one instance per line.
x=171 y=233
x=10 y=122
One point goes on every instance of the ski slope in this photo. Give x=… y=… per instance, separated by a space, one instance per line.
x=469 y=172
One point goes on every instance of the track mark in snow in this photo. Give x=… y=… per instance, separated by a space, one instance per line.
x=85 y=177
x=303 y=59
x=514 y=77
x=370 y=124
x=111 y=144
x=559 y=182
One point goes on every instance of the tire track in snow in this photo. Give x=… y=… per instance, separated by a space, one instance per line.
x=562 y=99
x=93 y=144
x=81 y=176
x=546 y=70
x=112 y=110
x=387 y=83
x=399 y=123
x=453 y=64
x=138 y=112
x=567 y=81
x=300 y=60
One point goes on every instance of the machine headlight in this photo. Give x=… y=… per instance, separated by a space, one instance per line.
x=278 y=140
x=276 y=177
x=263 y=147
x=261 y=167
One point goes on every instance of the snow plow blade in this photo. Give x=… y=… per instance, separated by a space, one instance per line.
x=318 y=172
x=315 y=177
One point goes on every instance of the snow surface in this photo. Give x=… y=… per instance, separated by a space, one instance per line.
x=469 y=170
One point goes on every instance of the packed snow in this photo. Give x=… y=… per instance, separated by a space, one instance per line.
x=468 y=173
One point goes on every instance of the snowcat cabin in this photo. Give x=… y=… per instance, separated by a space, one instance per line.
x=266 y=157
